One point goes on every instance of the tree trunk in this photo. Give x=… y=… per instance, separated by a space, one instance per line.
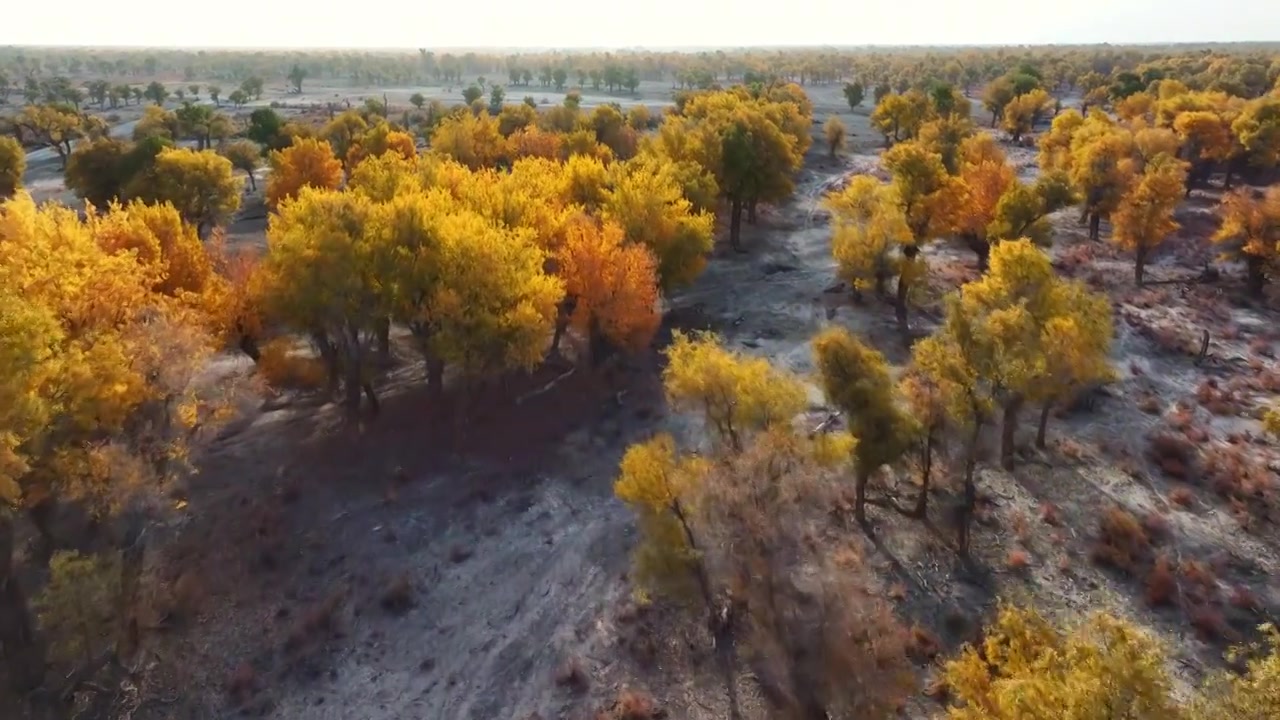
x=1095 y=225
x=1139 y=265
x=372 y=395
x=329 y=355
x=970 y=491
x=981 y=248
x=751 y=211
x=383 y=329
x=993 y=118
x=435 y=377
x=249 y=346
x=735 y=224
x=1256 y=277
x=563 y=315
x=351 y=388
x=1044 y=422
x=22 y=657
x=900 y=304
x=41 y=515
x=926 y=472
x=253 y=183
x=1008 y=429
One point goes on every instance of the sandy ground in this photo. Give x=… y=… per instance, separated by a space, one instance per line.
x=406 y=570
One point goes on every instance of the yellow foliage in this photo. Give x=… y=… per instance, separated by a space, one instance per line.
x=282 y=368
x=834 y=131
x=305 y=163
x=13 y=163
x=1250 y=231
x=652 y=211
x=472 y=140
x=199 y=184
x=1144 y=216
x=1022 y=112
x=737 y=395
x=535 y=142
x=869 y=228
x=614 y=285
x=1029 y=670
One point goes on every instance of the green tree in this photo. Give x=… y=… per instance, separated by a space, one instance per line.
x=156 y=92
x=853 y=94
x=246 y=156
x=297 y=74
x=472 y=93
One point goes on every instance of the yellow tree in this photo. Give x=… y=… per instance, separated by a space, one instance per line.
x=899 y=117
x=834 y=132
x=200 y=184
x=869 y=233
x=329 y=277
x=473 y=140
x=1101 y=167
x=96 y=401
x=1055 y=144
x=473 y=293
x=738 y=396
x=1252 y=695
x=611 y=288
x=1024 y=111
x=379 y=140
x=651 y=208
x=1257 y=136
x=54 y=126
x=1206 y=140
x=928 y=199
x=1077 y=347
x=1250 y=231
x=343 y=132
x=1144 y=215
x=305 y=163
x=13 y=163
x=1026 y=669
x=1023 y=210
x=856 y=380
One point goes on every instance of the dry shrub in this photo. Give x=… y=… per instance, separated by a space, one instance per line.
x=1218 y=400
x=1161 y=586
x=282 y=368
x=1122 y=542
x=1233 y=473
x=938 y=690
x=1243 y=598
x=631 y=705
x=571 y=675
x=1150 y=405
x=820 y=632
x=1018 y=560
x=1262 y=347
x=1156 y=525
x=242 y=683
x=1199 y=582
x=1072 y=258
x=319 y=620
x=1173 y=454
x=1209 y=623
x=924 y=645
x=1049 y=514
x=1182 y=496
x=1021 y=528
x=397 y=597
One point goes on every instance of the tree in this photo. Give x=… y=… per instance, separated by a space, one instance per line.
x=869 y=233
x=984 y=177
x=53 y=126
x=899 y=117
x=157 y=122
x=1021 y=113
x=344 y=132
x=196 y=121
x=265 y=128
x=305 y=163
x=1099 y=162
x=252 y=87
x=195 y=91
x=739 y=396
x=473 y=292
x=379 y=140
x=1257 y=132
x=561 y=77
x=997 y=96
x=238 y=98
x=1029 y=670
x=1144 y=216
x=13 y=163
x=199 y=184
x=246 y=156
x=927 y=199
x=215 y=94
x=417 y=100
x=1206 y=140
x=853 y=94
x=611 y=289
x=650 y=207
x=472 y=93
x=856 y=380
x=496 y=95
x=1250 y=231
x=297 y=74
x=1251 y=695
x=156 y=92
x=96 y=171
x=473 y=140
x=834 y=131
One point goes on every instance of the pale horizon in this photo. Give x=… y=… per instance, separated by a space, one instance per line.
x=658 y=24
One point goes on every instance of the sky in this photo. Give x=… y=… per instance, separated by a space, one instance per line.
x=643 y=23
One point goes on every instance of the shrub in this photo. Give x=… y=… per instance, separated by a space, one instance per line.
x=1018 y=560
x=1161 y=585
x=1122 y=541
x=77 y=606
x=1174 y=454
x=281 y=368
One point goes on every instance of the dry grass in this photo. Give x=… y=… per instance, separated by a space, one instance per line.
x=1018 y=560
x=281 y=368
x=1174 y=454
x=631 y=705
x=923 y=646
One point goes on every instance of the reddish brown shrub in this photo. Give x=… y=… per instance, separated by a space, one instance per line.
x=1156 y=525
x=1174 y=454
x=1049 y=514
x=631 y=705
x=1121 y=541
x=1018 y=560
x=1182 y=496
x=1161 y=585
x=923 y=645
x=397 y=597
x=1209 y=623
x=1199 y=582
x=1244 y=599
